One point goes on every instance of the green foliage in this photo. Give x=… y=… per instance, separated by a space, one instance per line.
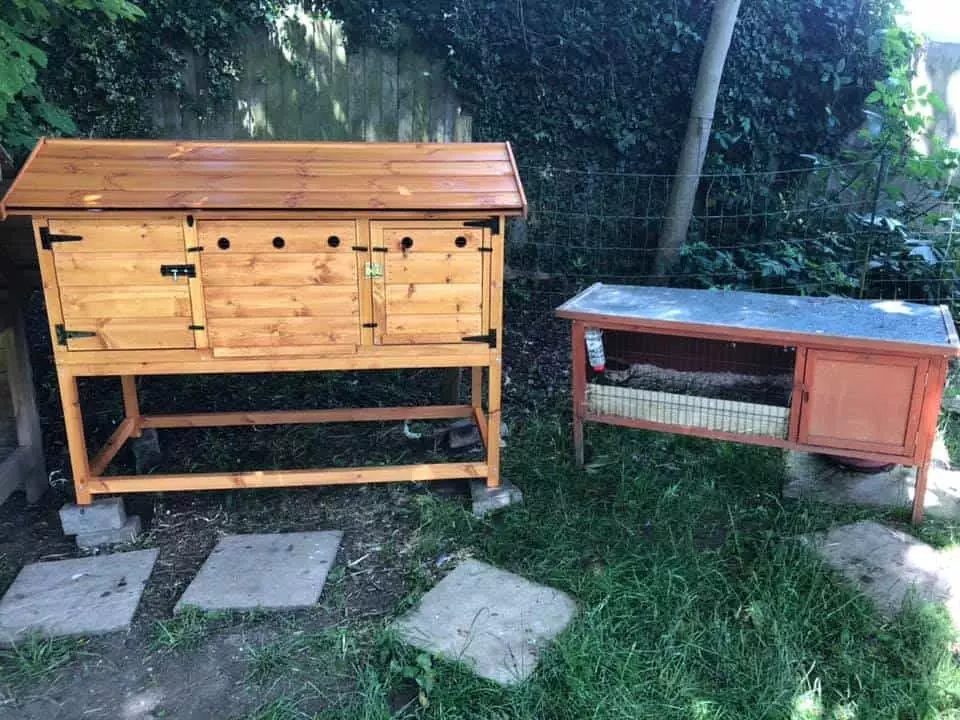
x=608 y=83
x=109 y=75
x=24 y=110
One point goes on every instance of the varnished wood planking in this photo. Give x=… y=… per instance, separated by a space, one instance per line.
x=257 y=236
x=111 y=235
x=419 y=299
x=306 y=301
x=301 y=168
x=131 y=333
x=454 y=325
x=267 y=178
x=427 y=239
x=112 y=269
x=279 y=268
x=265 y=332
x=28 y=199
x=147 y=301
x=433 y=268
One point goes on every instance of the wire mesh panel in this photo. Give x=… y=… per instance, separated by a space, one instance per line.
x=714 y=385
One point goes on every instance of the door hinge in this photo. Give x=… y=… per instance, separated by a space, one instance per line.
x=373 y=270
x=490 y=338
x=483 y=249
x=196 y=327
x=359 y=248
x=195 y=248
x=63 y=334
x=47 y=238
x=370 y=325
x=493 y=224
x=178 y=271
x=379 y=249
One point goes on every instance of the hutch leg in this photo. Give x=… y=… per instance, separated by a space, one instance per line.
x=476 y=387
x=493 y=422
x=76 y=443
x=578 y=374
x=920 y=491
x=927 y=434
x=131 y=405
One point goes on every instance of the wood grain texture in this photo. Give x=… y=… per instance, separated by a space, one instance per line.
x=426 y=239
x=298 y=417
x=267 y=332
x=258 y=236
x=139 y=333
x=162 y=174
x=114 y=235
x=305 y=301
x=433 y=268
x=279 y=269
x=419 y=299
x=116 y=269
x=148 y=301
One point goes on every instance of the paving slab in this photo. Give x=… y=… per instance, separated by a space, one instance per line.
x=890 y=566
x=85 y=596
x=274 y=570
x=495 y=622
x=817 y=478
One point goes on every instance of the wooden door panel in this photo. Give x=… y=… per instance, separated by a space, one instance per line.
x=432 y=285
x=861 y=401
x=112 y=293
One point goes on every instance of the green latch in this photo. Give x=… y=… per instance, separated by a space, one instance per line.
x=373 y=270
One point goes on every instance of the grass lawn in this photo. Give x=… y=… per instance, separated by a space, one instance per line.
x=697 y=599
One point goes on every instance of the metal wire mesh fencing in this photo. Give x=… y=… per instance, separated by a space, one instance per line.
x=851 y=229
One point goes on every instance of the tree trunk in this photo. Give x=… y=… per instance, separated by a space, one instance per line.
x=684 y=191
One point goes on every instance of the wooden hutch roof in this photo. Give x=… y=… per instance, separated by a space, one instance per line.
x=72 y=174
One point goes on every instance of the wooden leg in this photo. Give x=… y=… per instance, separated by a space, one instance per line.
x=919 y=492
x=131 y=405
x=476 y=387
x=76 y=443
x=493 y=422
x=578 y=373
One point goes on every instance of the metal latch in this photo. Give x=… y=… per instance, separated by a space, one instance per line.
x=178 y=271
x=373 y=270
x=490 y=338
x=47 y=238
x=63 y=334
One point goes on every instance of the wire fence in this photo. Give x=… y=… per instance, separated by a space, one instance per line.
x=849 y=229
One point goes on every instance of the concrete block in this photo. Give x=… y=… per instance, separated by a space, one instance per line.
x=890 y=566
x=487 y=500
x=817 y=478
x=103 y=514
x=278 y=570
x=495 y=622
x=127 y=534
x=84 y=596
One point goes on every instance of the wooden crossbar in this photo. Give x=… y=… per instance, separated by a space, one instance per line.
x=295 y=417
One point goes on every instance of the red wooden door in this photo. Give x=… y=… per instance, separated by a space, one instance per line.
x=862 y=401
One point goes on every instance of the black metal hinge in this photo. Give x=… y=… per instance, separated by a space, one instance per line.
x=63 y=334
x=371 y=325
x=177 y=271
x=483 y=249
x=489 y=338
x=195 y=327
x=47 y=238
x=195 y=248
x=359 y=248
x=492 y=223
x=379 y=249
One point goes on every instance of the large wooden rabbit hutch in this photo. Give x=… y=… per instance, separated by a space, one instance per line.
x=852 y=378
x=169 y=257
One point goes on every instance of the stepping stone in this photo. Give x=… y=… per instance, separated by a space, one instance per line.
x=889 y=566
x=817 y=478
x=493 y=621
x=276 y=570
x=86 y=596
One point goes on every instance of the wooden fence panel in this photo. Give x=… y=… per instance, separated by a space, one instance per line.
x=300 y=82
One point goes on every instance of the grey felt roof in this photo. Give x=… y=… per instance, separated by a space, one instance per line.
x=885 y=320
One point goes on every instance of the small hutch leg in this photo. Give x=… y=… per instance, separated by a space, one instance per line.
x=493 y=422
x=927 y=433
x=578 y=374
x=76 y=443
x=131 y=405
x=476 y=387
